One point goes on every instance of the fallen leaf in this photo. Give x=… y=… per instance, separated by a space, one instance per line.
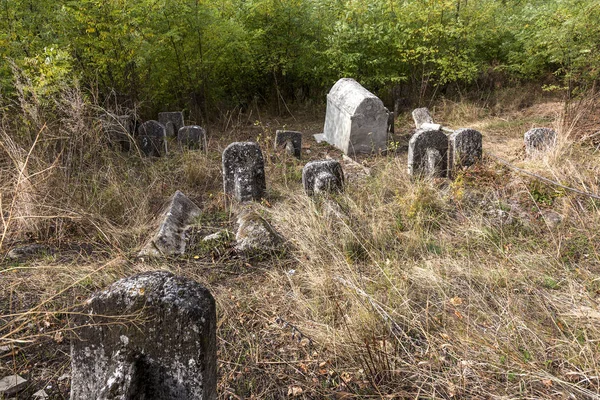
x=294 y=391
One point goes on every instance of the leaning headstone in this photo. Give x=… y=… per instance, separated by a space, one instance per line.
x=325 y=176
x=11 y=384
x=192 y=137
x=356 y=120
x=428 y=154
x=152 y=138
x=290 y=140
x=539 y=140
x=464 y=148
x=173 y=122
x=171 y=237
x=243 y=171
x=149 y=336
x=421 y=116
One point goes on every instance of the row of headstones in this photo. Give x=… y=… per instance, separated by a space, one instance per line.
x=151 y=136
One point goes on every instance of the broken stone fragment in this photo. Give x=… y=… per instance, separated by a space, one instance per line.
x=421 y=116
x=149 y=336
x=255 y=235
x=12 y=384
x=290 y=140
x=40 y=394
x=171 y=237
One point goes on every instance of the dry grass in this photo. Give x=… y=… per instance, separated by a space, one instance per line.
x=394 y=289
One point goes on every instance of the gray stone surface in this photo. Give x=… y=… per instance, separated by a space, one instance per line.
x=464 y=148
x=539 y=140
x=12 y=384
x=356 y=120
x=152 y=138
x=290 y=140
x=422 y=157
x=391 y=120
x=119 y=129
x=255 y=235
x=173 y=122
x=243 y=171
x=325 y=176
x=171 y=237
x=421 y=116
x=149 y=336
x=40 y=394
x=192 y=137
x=29 y=251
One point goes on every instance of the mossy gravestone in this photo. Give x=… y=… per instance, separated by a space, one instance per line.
x=428 y=154
x=243 y=171
x=152 y=138
x=149 y=336
x=464 y=148
x=325 y=176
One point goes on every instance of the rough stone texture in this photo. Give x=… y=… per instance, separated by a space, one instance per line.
x=171 y=236
x=152 y=138
x=421 y=116
x=464 y=148
x=192 y=137
x=149 y=336
x=173 y=122
x=422 y=158
x=244 y=171
x=391 y=120
x=29 y=251
x=539 y=140
x=12 y=384
x=40 y=394
x=291 y=140
x=356 y=120
x=119 y=129
x=255 y=235
x=323 y=176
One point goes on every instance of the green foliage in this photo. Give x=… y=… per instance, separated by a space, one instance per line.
x=194 y=53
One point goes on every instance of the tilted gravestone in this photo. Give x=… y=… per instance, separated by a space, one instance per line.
x=539 y=140
x=290 y=140
x=356 y=120
x=192 y=137
x=423 y=120
x=152 y=138
x=149 y=336
x=325 y=176
x=428 y=154
x=173 y=122
x=464 y=148
x=243 y=171
x=171 y=237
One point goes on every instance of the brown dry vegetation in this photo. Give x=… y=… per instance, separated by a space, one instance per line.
x=417 y=289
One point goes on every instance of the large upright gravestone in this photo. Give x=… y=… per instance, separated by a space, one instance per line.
x=243 y=171
x=173 y=122
x=428 y=154
x=152 y=138
x=149 y=336
x=464 y=148
x=356 y=119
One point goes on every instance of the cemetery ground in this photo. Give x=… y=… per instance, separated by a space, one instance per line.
x=484 y=286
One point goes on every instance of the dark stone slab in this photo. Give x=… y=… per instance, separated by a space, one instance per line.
x=152 y=138
x=173 y=122
x=290 y=140
x=192 y=137
x=422 y=158
x=244 y=171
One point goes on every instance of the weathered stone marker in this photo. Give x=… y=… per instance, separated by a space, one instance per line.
x=173 y=122
x=428 y=154
x=192 y=137
x=244 y=171
x=325 y=176
x=119 y=129
x=149 y=336
x=171 y=237
x=356 y=120
x=290 y=140
x=539 y=140
x=152 y=138
x=464 y=148
x=423 y=120
x=255 y=236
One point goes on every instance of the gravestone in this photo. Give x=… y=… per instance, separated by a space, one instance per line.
x=325 y=176
x=423 y=120
x=539 y=140
x=255 y=236
x=119 y=129
x=290 y=140
x=152 y=138
x=428 y=154
x=173 y=122
x=171 y=237
x=356 y=120
x=243 y=171
x=149 y=336
x=192 y=137
x=464 y=148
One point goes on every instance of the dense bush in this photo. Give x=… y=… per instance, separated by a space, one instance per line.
x=203 y=54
